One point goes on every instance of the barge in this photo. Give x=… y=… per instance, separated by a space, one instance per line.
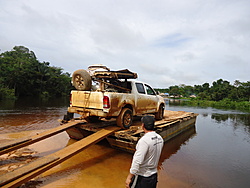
x=173 y=124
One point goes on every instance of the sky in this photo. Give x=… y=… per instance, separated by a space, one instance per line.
x=166 y=42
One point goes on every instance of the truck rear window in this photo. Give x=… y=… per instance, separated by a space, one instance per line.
x=140 y=88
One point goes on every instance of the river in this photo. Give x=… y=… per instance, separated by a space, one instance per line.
x=214 y=153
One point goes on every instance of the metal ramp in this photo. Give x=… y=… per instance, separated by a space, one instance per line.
x=19 y=143
x=31 y=170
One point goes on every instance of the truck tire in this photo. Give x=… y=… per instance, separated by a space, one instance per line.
x=160 y=114
x=81 y=80
x=125 y=118
x=68 y=116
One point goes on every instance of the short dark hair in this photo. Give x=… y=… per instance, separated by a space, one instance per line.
x=149 y=122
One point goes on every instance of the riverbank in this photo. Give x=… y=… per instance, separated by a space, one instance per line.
x=223 y=104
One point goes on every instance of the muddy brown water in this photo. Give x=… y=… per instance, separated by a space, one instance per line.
x=214 y=153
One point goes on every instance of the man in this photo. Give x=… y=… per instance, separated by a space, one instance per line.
x=145 y=160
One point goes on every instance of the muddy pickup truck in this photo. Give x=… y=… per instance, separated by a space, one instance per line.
x=102 y=93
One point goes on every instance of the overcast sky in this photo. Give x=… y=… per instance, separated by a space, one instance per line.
x=167 y=42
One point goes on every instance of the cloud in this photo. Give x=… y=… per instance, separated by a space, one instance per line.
x=165 y=42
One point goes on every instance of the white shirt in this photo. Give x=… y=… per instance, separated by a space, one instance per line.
x=146 y=157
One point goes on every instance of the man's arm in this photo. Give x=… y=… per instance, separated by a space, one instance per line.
x=139 y=156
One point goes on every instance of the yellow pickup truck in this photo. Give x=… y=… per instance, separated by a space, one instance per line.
x=114 y=95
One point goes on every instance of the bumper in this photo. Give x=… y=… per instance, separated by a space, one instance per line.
x=88 y=112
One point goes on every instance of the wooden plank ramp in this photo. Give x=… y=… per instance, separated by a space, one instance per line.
x=31 y=170
x=19 y=143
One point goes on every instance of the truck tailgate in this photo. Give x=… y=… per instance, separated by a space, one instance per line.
x=87 y=99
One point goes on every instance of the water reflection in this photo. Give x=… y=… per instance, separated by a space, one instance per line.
x=174 y=101
x=172 y=146
x=235 y=119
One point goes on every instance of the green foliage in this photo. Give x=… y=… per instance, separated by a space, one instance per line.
x=23 y=75
x=6 y=93
x=221 y=94
x=220 y=90
x=224 y=104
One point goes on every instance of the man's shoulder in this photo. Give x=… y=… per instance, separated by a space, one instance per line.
x=150 y=136
x=159 y=136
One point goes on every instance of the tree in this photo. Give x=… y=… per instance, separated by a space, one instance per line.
x=174 y=90
x=21 y=72
x=205 y=87
x=17 y=69
x=220 y=89
x=197 y=89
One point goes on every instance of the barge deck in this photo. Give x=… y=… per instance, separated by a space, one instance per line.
x=173 y=124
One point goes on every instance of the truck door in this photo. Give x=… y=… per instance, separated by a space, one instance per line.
x=152 y=99
x=146 y=100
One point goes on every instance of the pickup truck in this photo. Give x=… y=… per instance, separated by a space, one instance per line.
x=113 y=96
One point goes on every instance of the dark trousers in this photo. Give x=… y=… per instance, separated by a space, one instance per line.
x=146 y=182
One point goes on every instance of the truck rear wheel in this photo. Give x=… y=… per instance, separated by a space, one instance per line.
x=125 y=118
x=81 y=80
x=160 y=114
x=68 y=116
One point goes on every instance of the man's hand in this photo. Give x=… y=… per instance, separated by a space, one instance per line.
x=128 y=180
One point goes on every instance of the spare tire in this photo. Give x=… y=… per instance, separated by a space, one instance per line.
x=81 y=80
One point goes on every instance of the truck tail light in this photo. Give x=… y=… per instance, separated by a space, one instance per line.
x=106 y=103
x=70 y=100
